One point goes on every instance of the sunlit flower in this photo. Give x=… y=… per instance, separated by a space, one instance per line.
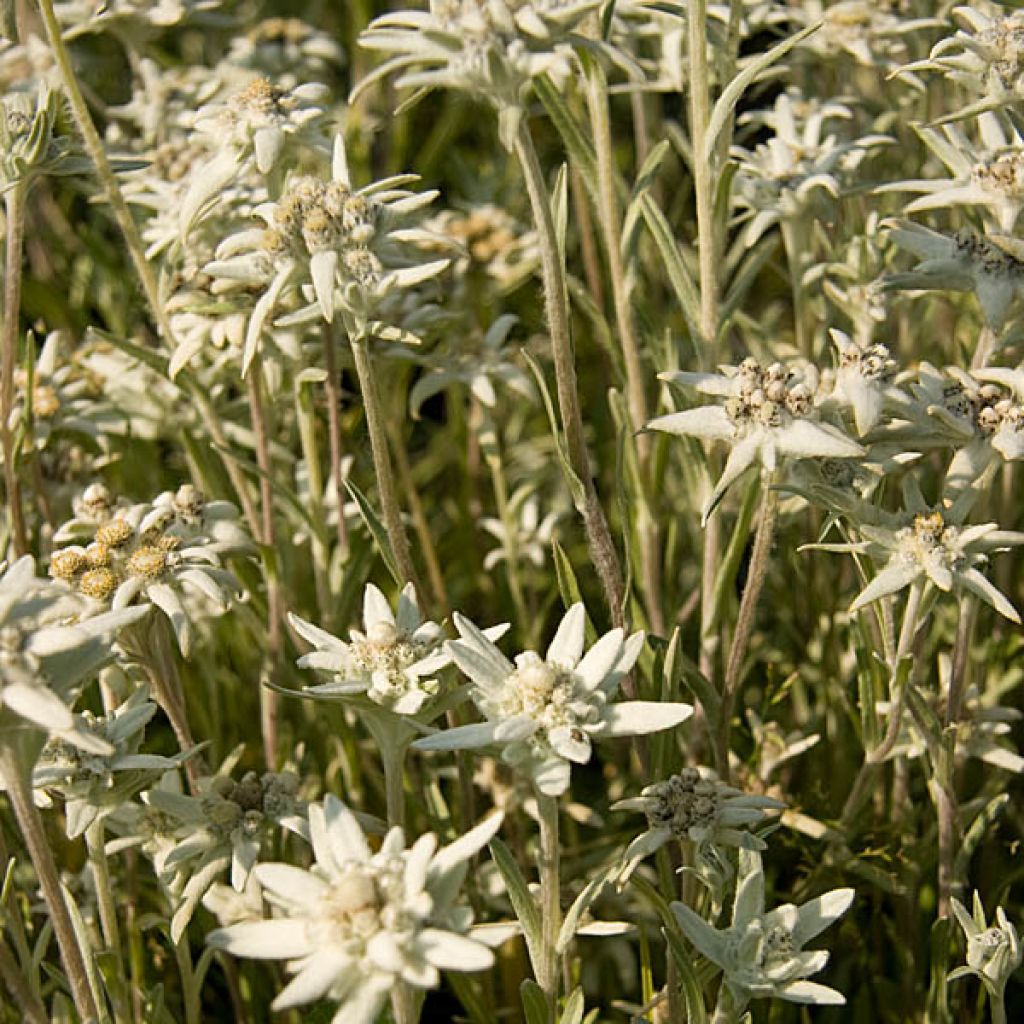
x=394 y=660
x=864 y=379
x=544 y=712
x=531 y=534
x=761 y=954
x=768 y=413
x=933 y=546
x=349 y=244
x=359 y=923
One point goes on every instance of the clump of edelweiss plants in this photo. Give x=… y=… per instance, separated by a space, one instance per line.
x=511 y=511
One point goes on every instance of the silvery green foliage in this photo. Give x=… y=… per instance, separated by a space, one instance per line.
x=31 y=143
x=994 y=952
x=359 y=922
x=543 y=713
x=164 y=553
x=92 y=784
x=768 y=414
x=761 y=953
x=49 y=645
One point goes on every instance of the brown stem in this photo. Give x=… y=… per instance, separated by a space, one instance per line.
x=34 y=834
x=14 y=203
x=269 y=698
x=602 y=548
x=745 y=619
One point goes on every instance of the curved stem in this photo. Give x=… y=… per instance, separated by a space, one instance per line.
x=382 y=463
x=745 y=619
x=14 y=203
x=550 y=900
x=602 y=548
x=33 y=832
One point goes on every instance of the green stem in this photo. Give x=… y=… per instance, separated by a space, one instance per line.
x=14 y=203
x=306 y=420
x=550 y=899
x=602 y=549
x=104 y=892
x=17 y=985
x=332 y=393
x=794 y=244
x=745 y=619
x=625 y=321
x=189 y=996
x=382 y=462
x=19 y=792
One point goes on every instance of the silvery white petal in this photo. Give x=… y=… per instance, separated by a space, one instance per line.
x=451 y=952
x=38 y=705
x=552 y=777
x=979 y=584
x=816 y=915
x=741 y=458
x=896 y=575
x=519 y=727
x=640 y=717
x=567 y=646
x=462 y=737
x=292 y=884
x=336 y=836
x=710 y=422
x=810 y=992
x=701 y=934
x=572 y=744
x=364 y=1002
x=323 y=267
x=805 y=438
x=376 y=608
x=264 y=940
x=317 y=974
x=267 y=144
x=600 y=659
x=315 y=635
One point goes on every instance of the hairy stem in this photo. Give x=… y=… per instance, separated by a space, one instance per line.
x=19 y=792
x=550 y=901
x=382 y=463
x=14 y=203
x=745 y=619
x=332 y=393
x=269 y=699
x=602 y=548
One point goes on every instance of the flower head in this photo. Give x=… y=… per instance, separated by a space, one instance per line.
x=768 y=412
x=393 y=660
x=695 y=806
x=864 y=379
x=993 y=952
x=761 y=954
x=544 y=712
x=360 y=922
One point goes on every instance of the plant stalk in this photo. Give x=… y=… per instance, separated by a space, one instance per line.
x=550 y=900
x=14 y=205
x=332 y=394
x=602 y=548
x=745 y=619
x=19 y=792
x=382 y=463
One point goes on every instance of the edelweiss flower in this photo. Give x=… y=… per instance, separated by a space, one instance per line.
x=359 y=923
x=225 y=826
x=346 y=242
x=286 y=47
x=981 y=414
x=532 y=534
x=768 y=412
x=544 y=712
x=991 y=176
x=761 y=954
x=697 y=807
x=29 y=144
x=47 y=647
x=993 y=953
x=151 y=551
x=92 y=785
x=864 y=379
x=991 y=266
x=932 y=546
x=394 y=661
x=986 y=55
x=784 y=177
x=491 y=49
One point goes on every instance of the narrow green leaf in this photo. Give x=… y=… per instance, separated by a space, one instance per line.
x=591 y=891
x=376 y=528
x=976 y=833
x=574 y=1005
x=575 y=139
x=525 y=906
x=535 y=1005
x=726 y=103
x=678 y=275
